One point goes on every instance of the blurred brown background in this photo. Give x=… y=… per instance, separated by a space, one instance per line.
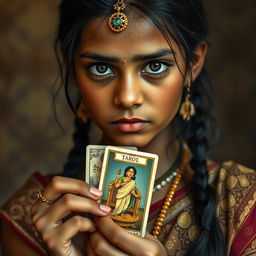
x=30 y=138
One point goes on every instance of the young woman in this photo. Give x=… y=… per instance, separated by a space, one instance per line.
x=126 y=187
x=139 y=70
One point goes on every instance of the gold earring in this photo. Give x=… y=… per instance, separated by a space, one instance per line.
x=81 y=112
x=187 y=109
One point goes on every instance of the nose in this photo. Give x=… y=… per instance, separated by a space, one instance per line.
x=128 y=93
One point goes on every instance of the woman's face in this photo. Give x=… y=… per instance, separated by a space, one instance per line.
x=129 y=81
x=130 y=173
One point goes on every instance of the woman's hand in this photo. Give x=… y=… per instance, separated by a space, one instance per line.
x=112 y=240
x=119 y=173
x=61 y=221
x=136 y=193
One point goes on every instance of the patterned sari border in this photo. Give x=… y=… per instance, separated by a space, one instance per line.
x=180 y=193
x=251 y=253
x=181 y=200
x=251 y=249
x=186 y=201
x=246 y=232
x=249 y=244
x=22 y=234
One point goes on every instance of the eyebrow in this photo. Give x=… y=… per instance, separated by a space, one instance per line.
x=138 y=57
x=96 y=56
x=160 y=53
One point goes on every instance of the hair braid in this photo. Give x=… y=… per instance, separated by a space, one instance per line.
x=184 y=22
x=211 y=241
x=76 y=156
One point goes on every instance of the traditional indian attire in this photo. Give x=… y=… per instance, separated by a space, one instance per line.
x=236 y=211
x=123 y=196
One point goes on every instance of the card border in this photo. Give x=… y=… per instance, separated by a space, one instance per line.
x=87 y=160
x=154 y=159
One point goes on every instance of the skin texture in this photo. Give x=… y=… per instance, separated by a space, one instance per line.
x=129 y=90
x=133 y=90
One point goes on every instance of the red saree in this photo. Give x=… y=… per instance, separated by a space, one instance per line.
x=236 y=211
x=16 y=213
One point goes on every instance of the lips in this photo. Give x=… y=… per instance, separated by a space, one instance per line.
x=130 y=124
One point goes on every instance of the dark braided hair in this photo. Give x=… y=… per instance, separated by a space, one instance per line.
x=204 y=195
x=76 y=156
x=183 y=22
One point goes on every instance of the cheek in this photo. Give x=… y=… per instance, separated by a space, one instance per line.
x=95 y=106
x=93 y=98
x=89 y=95
x=170 y=96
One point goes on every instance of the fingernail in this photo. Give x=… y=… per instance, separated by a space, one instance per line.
x=95 y=192
x=105 y=208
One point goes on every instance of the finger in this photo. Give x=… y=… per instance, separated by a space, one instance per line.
x=130 y=243
x=89 y=250
x=160 y=248
x=101 y=246
x=60 y=185
x=152 y=238
x=61 y=236
x=119 y=237
x=67 y=204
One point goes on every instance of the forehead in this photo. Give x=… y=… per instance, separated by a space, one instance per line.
x=141 y=35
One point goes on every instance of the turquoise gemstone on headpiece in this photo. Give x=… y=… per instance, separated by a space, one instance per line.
x=117 y=21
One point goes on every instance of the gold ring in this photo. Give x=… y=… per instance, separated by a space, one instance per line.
x=40 y=196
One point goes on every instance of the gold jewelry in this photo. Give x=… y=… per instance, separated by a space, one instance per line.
x=81 y=112
x=187 y=109
x=163 y=182
x=168 y=199
x=118 y=21
x=170 y=173
x=40 y=196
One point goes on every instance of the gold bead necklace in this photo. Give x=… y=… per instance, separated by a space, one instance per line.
x=168 y=199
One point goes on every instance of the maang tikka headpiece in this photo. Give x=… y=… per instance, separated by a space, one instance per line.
x=118 y=21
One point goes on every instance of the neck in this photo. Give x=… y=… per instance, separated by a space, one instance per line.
x=165 y=148
x=165 y=145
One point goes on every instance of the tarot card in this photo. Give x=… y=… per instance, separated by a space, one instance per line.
x=127 y=180
x=94 y=159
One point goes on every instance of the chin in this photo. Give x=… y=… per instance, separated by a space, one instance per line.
x=131 y=140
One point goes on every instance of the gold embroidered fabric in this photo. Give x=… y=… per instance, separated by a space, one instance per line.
x=250 y=250
x=17 y=212
x=236 y=190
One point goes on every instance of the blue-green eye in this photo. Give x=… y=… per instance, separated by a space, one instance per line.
x=155 y=67
x=100 y=69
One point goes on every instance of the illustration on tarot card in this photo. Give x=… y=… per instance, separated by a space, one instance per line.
x=127 y=180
